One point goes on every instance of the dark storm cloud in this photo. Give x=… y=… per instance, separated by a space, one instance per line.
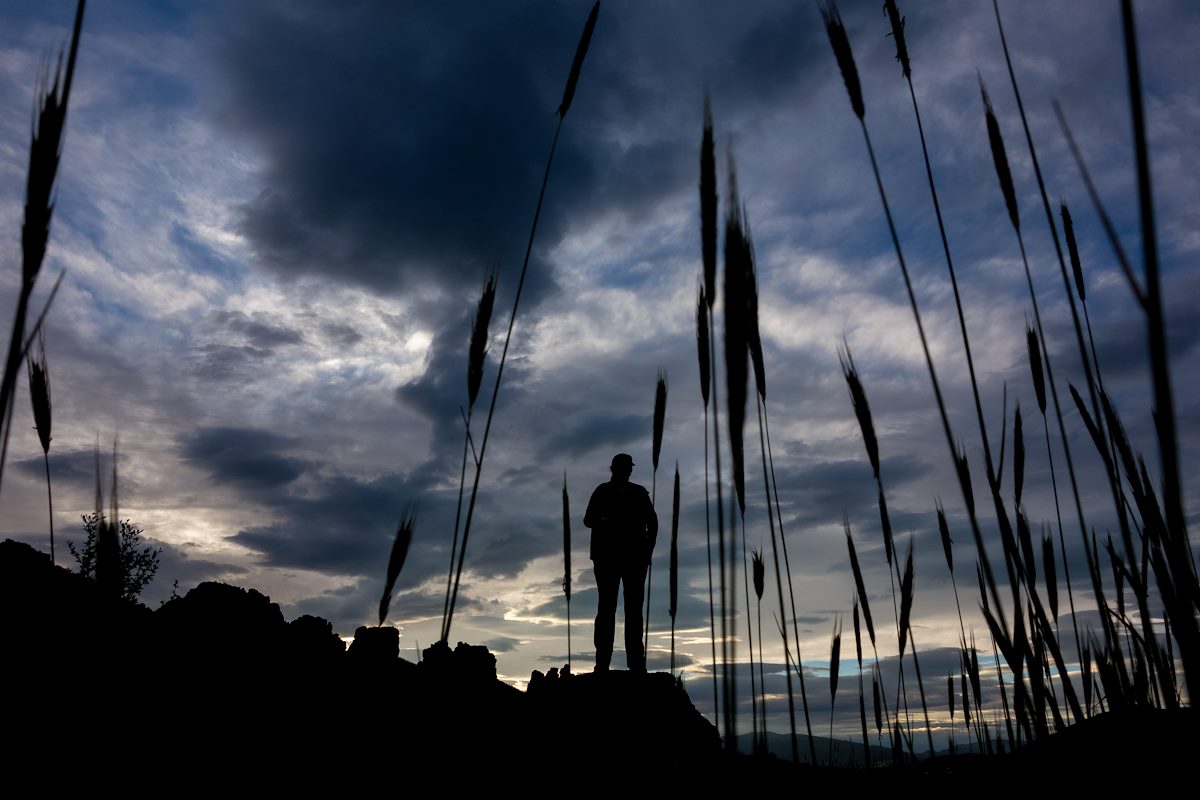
x=402 y=145
x=242 y=456
x=823 y=492
x=344 y=528
x=588 y=431
x=76 y=468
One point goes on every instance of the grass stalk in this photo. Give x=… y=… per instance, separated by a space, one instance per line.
x=566 y=507
x=564 y=106
x=673 y=588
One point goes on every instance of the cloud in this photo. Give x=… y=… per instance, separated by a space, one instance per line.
x=242 y=456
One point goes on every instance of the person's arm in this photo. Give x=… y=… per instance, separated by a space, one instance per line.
x=592 y=515
x=651 y=523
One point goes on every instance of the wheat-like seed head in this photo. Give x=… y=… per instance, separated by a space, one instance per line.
x=1018 y=457
x=842 y=52
x=876 y=698
x=857 y=634
x=702 y=351
x=1049 y=569
x=862 y=410
x=477 y=350
x=566 y=508
x=835 y=658
x=906 y=598
x=859 y=585
x=760 y=571
x=404 y=535
x=1073 y=251
x=897 y=23
x=660 y=416
x=950 y=692
x=39 y=392
x=947 y=542
x=577 y=64
x=1000 y=160
x=674 y=568
x=1025 y=537
x=708 y=207
x=1035 y=367
x=737 y=261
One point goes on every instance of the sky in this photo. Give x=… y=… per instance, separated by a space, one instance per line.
x=275 y=220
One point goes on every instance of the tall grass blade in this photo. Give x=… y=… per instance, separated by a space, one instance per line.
x=673 y=589
x=1183 y=617
x=660 y=415
x=566 y=508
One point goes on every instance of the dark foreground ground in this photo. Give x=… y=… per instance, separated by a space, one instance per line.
x=215 y=690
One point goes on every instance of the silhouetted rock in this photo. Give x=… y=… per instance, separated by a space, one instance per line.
x=217 y=623
x=312 y=640
x=375 y=645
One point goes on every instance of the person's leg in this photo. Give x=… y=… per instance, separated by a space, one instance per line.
x=633 y=575
x=608 y=579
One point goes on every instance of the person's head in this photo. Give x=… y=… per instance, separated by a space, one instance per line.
x=622 y=466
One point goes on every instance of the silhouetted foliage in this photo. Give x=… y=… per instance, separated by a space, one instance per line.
x=139 y=564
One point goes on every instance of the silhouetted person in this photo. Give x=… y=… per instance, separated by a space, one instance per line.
x=624 y=528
